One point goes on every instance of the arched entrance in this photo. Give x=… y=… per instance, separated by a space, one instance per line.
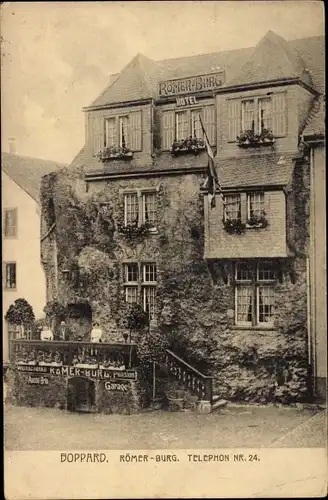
x=81 y=394
x=79 y=321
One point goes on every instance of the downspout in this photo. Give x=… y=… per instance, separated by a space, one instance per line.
x=310 y=265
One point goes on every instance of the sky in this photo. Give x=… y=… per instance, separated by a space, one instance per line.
x=57 y=57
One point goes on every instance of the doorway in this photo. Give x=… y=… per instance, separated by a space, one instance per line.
x=81 y=395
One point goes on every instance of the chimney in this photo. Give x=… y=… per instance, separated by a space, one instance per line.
x=12 y=145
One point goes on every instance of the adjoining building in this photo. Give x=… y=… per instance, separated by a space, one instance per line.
x=238 y=288
x=23 y=274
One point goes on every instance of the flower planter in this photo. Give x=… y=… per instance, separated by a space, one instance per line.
x=125 y=156
x=190 y=145
x=249 y=139
x=256 y=144
x=182 y=151
x=204 y=407
x=234 y=227
x=176 y=400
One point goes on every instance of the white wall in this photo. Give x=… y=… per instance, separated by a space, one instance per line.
x=319 y=265
x=24 y=250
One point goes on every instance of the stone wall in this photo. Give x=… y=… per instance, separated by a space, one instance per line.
x=195 y=302
x=37 y=390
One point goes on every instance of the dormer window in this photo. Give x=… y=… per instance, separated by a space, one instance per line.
x=257 y=120
x=180 y=126
x=117 y=136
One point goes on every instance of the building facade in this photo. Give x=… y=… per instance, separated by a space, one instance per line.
x=23 y=275
x=228 y=285
x=314 y=137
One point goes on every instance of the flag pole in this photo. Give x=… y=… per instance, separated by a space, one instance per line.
x=213 y=174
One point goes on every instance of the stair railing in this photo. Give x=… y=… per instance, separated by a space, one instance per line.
x=189 y=377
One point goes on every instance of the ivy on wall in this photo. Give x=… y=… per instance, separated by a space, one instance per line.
x=194 y=309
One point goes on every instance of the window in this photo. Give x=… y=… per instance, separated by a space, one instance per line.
x=149 y=273
x=116 y=131
x=10 y=276
x=179 y=125
x=145 y=211
x=255 y=205
x=232 y=205
x=149 y=208
x=254 y=293
x=131 y=278
x=131 y=273
x=264 y=118
x=131 y=215
x=110 y=132
x=10 y=223
x=140 y=282
x=124 y=131
x=257 y=114
x=247 y=110
x=196 y=129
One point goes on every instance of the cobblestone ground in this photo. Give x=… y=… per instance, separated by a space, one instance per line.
x=255 y=427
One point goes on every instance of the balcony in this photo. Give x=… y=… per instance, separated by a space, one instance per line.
x=68 y=358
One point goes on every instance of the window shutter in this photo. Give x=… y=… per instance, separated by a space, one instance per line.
x=279 y=114
x=234 y=121
x=98 y=135
x=209 y=123
x=135 y=131
x=167 y=129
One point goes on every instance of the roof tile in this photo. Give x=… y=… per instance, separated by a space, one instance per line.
x=27 y=172
x=271 y=59
x=255 y=170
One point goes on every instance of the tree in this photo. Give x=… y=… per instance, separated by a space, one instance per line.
x=20 y=313
x=134 y=318
x=55 y=311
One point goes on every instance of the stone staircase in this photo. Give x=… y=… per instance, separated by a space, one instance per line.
x=194 y=382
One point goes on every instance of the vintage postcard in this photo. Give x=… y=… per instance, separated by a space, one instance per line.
x=164 y=249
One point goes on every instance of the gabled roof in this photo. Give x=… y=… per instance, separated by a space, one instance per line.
x=26 y=172
x=272 y=59
x=136 y=81
x=255 y=170
x=316 y=123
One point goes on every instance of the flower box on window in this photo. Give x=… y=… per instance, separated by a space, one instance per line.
x=189 y=145
x=234 y=226
x=115 y=153
x=257 y=221
x=134 y=230
x=249 y=139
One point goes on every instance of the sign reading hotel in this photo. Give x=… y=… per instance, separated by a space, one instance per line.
x=191 y=85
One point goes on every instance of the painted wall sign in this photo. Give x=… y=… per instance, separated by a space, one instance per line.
x=117 y=387
x=38 y=380
x=187 y=100
x=191 y=85
x=73 y=371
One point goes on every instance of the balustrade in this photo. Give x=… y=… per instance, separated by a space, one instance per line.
x=190 y=377
x=81 y=354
